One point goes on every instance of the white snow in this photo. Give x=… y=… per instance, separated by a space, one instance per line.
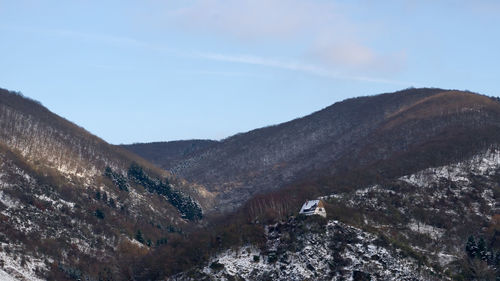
x=56 y=203
x=12 y=267
x=4 y=276
x=7 y=200
x=314 y=259
x=422 y=228
x=482 y=164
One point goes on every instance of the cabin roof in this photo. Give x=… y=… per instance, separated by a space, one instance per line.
x=308 y=205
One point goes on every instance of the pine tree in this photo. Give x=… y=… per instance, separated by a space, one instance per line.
x=112 y=203
x=138 y=237
x=471 y=247
x=108 y=172
x=490 y=256
x=99 y=214
x=481 y=249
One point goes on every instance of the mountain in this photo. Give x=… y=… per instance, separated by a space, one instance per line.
x=439 y=223
x=167 y=154
x=418 y=169
x=413 y=128
x=410 y=183
x=74 y=206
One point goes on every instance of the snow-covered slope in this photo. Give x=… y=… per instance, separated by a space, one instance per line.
x=312 y=249
x=484 y=164
x=418 y=227
x=433 y=210
x=70 y=203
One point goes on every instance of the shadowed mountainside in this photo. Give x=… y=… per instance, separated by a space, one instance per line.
x=423 y=178
x=167 y=154
x=350 y=134
x=73 y=206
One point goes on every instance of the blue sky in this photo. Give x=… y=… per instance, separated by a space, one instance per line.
x=152 y=70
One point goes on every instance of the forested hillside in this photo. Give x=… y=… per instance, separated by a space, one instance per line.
x=408 y=178
x=419 y=127
x=167 y=154
x=73 y=206
x=417 y=168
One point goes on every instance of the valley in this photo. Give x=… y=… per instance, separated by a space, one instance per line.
x=408 y=178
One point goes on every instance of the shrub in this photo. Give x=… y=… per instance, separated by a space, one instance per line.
x=216 y=266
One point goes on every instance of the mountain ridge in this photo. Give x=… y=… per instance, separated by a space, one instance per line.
x=74 y=206
x=330 y=140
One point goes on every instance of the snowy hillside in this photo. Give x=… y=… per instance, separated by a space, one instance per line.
x=434 y=210
x=313 y=250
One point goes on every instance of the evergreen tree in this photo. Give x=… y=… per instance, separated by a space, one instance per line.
x=99 y=214
x=481 y=249
x=490 y=256
x=98 y=195
x=139 y=237
x=471 y=247
x=112 y=203
x=108 y=172
x=187 y=207
x=105 y=196
x=118 y=179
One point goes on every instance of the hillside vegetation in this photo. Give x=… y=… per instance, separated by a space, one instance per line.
x=417 y=128
x=365 y=174
x=167 y=154
x=73 y=206
x=408 y=178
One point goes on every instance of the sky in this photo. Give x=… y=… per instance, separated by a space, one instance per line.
x=152 y=70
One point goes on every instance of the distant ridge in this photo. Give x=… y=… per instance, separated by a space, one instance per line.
x=354 y=133
x=167 y=154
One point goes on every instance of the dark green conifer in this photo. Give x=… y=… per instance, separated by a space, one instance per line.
x=471 y=247
x=139 y=237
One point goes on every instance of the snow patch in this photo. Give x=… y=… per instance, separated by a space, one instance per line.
x=13 y=269
x=423 y=228
x=486 y=163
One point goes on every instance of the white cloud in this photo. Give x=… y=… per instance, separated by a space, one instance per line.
x=253 y=19
x=353 y=56
x=290 y=65
x=297 y=66
x=320 y=27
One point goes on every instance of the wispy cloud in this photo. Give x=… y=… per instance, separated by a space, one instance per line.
x=321 y=28
x=254 y=19
x=311 y=69
x=289 y=65
x=100 y=38
x=217 y=73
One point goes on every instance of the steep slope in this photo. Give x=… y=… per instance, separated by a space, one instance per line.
x=417 y=169
x=51 y=141
x=440 y=223
x=313 y=250
x=347 y=135
x=73 y=206
x=434 y=211
x=167 y=154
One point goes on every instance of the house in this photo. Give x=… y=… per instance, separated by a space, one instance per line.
x=313 y=207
